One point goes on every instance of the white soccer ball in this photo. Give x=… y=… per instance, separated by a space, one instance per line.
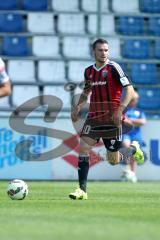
x=17 y=189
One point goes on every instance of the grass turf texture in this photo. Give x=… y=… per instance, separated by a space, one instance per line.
x=122 y=211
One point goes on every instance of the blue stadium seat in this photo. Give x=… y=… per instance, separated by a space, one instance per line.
x=157 y=48
x=11 y=22
x=136 y=49
x=9 y=5
x=149 y=98
x=15 y=46
x=142 y=73
x=131 y=25
x=150 y=6
x=35 y=5
x=154 y=26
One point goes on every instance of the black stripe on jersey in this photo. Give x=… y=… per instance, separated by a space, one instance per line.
x=95 y=93
x=107 y=95
x=121 y=76
x=99 y=103
x=118 y=68
x=107 y=90
x=100 y=87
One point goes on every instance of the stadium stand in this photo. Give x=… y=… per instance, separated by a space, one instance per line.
x=37 y=22
x=58 y=91
x=15 y=46
x=51 y=71
x=45 y=46
x=157 y=48
x=92 y=24
x=4 y=103
x=76 y=47
x=75 y=23
x=136 y=49
x=9 y=5
x=154 y=26
x=125 y=6
x=22 y=70
x=47 y=42
x=36 y=5
x=115 y=48
x=76 y=69
x=131 y=25
x=92 y=6
x=150 y=98
x=11 y=22
x=142 y=73
x=61 y=6
x=24 y=93
x=150 y=6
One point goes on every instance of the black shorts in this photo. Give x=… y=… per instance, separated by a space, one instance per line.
x=110 y=134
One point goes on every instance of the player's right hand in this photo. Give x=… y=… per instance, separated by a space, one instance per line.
x=74 y=113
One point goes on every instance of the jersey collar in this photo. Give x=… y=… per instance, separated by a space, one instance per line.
x=99 y=69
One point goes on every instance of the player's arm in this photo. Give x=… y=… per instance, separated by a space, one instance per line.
x=5 y=84
x=129 y=92
x=140 y=121
x=5 y=89
x=82 y=100
x=128 y=96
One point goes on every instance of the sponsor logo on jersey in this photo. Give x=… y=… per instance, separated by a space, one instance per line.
x=99 y=83
x=105 y=73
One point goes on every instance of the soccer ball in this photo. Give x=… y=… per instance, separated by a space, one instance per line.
x=17 y=189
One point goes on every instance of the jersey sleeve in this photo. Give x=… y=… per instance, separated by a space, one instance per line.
x=121 y=76
x=3 y=75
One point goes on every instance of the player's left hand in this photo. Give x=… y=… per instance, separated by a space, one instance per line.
x=117 y=117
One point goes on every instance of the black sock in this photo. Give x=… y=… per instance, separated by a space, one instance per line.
x=127 y=152
x=83 y=167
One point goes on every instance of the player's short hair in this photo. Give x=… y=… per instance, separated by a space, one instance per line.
x=99 y=40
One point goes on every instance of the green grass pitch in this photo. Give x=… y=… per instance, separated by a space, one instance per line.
x=115 y=210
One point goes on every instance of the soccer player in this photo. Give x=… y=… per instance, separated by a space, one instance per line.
x=137 y=118
x=104 y=82
x=5 y=85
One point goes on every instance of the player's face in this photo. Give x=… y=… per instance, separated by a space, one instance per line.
x=101 y=53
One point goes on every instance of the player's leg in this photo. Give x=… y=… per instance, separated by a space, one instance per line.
x=114 y=158
x=112 y=146
x=128 y=173
x=117 y=153
x=86 y=144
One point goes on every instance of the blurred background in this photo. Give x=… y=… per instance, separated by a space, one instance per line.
x=47 y=43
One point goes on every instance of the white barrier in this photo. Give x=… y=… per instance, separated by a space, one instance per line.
x=65 y=167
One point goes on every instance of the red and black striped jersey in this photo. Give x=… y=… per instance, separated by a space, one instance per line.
x=105 y=85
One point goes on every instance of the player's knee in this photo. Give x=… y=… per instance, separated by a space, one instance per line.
x=84 y=149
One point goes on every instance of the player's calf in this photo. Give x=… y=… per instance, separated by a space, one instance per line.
x=114 y=158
